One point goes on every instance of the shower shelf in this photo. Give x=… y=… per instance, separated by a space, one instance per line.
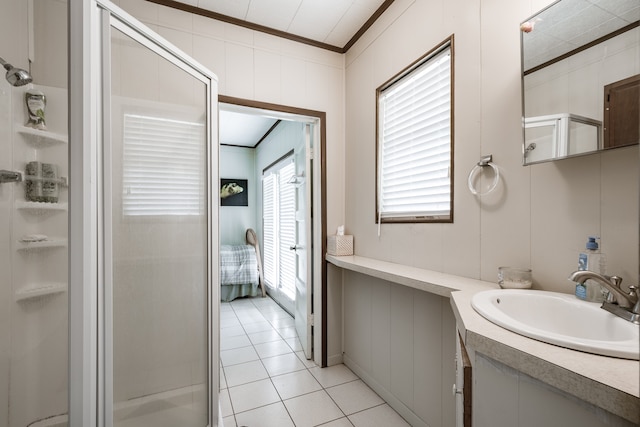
x=41 y=207
x=46 y=244
x=42 y=137
x=37 y=291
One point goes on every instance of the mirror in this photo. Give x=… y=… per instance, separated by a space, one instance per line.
x=580 y=78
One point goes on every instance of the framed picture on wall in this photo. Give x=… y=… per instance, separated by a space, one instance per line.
x=234 y=192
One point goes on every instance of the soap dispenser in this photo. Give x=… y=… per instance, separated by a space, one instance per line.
x=593 y=260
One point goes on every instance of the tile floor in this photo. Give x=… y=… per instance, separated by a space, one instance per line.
x=266 y=380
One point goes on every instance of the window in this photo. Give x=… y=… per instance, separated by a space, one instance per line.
x=279 y=226
x=162 y=167
x=415 y=143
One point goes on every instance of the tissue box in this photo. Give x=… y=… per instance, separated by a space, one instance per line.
x=340 y=245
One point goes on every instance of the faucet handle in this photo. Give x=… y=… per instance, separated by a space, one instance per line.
x=633 y=295
x=616 y=280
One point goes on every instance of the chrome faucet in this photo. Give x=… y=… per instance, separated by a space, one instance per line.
x=619 y=302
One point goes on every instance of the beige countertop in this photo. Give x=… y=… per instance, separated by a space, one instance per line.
x=609 y=383
x=426 y=280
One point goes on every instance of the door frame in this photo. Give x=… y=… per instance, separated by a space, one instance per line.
x=320 y=198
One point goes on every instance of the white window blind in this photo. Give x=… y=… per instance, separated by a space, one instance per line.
x=414 y=179
x=163 y=167
x=279 y=227
x=269 y=228
x=287 y=230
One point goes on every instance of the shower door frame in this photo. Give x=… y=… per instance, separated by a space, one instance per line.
x=90 y=312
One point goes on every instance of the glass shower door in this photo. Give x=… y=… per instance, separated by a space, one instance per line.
x=157 y=227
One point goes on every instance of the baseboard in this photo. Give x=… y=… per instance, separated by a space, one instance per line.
x=336 y=359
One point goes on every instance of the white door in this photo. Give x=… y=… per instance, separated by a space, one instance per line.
x=304 y=239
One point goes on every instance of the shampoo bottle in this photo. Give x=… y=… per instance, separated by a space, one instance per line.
x=593 y=260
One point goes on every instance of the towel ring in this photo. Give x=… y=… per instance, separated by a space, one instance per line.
x=484 y=162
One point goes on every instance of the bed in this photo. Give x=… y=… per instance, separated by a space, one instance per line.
x=241 y=269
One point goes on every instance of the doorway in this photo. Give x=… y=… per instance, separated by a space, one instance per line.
x=287 y=163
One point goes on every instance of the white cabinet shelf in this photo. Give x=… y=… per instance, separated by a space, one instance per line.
x=36 y=291
x=45 y=244
x=42 y=138
x=41 y=207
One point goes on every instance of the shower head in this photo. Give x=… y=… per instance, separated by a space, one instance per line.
x=16 y=76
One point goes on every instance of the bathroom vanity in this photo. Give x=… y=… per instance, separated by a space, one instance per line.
x=519 y=381
x=400 y=327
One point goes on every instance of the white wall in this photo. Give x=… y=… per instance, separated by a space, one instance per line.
x=539 y=216
x=239 y=163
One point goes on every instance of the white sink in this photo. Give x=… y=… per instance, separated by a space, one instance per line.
x=560 y=319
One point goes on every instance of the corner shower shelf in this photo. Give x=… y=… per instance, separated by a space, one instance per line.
x=41 y=207
x=45 y=244
x=42 y=138
x=40 y=290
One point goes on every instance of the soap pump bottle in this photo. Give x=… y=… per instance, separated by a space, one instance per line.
x=593 y=260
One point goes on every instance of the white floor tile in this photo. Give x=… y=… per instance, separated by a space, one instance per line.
x=354 y=396
x=265 y=302
x=313 y=409
x=225 y=403
x=252 y=328
x=264 y=336
x=273 y=348
x=289 y=332
x=232 y=331
x=295 y=384
x=309 y=363
x=294 y=343
x=274 y=415
x=283 y=364
x=238 y=355
x=333 y=375
x=247 y=319
x=245 y=373
x=229 y=321
x=266 y=380
x=228 y=343
x=283 y=322
x=229 y=421
x=223 y=380
x=253 y=395
x=342 y=422
x=380 y=416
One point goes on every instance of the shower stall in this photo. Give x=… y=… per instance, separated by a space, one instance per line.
x=108 y=313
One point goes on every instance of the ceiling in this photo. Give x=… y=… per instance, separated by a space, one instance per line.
x=331 y=24
x=243 y=129
x=570 y=24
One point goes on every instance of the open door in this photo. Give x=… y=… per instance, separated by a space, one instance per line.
x=304 y=240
